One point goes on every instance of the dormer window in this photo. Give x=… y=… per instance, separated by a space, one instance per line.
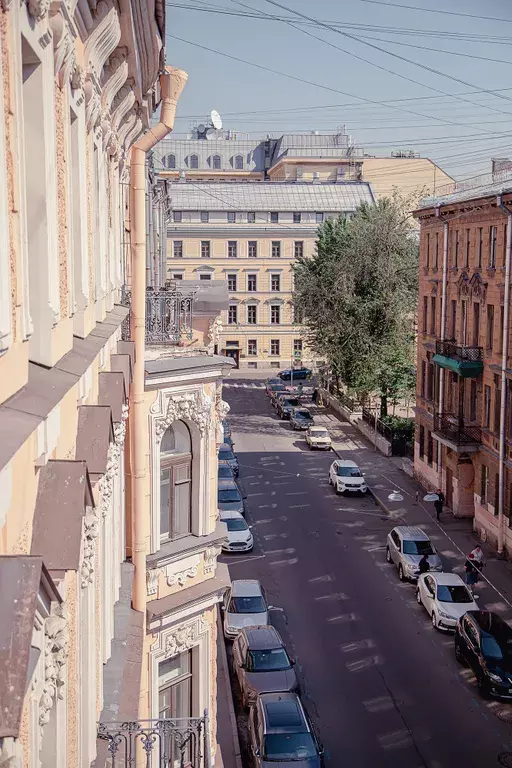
x=194 y=161
x=239 y=163
x=216 y=162
x=169 y=161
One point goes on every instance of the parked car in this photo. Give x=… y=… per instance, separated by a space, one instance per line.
x=298 y=373
x=445 y=597
x=224 y=472
x=405 y=547
x=484 y=642
x=346 y=476
x=229 y=441
x=244 y=605
x=262 y=664
x=226 y=428
x=280 y=732
x=229 y=497
x=285 y=406
x=227 y=456
x=276 y=390
x=318 y=437
x=240 y=538
x=300 y=418
x=270 y=383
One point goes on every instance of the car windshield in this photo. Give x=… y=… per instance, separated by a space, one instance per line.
x=225 y=472
x=303 y=414
x=418 y=548
x=289 y=746
x=271 y=660
x=319 y=433
x=250 y=604
x=226 y=456
x=348 y=472
x=290 y=402
x=236 y=524
x=229 y=494
x=453 y=594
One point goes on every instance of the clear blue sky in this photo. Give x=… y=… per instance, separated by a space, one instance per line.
x=236 y=89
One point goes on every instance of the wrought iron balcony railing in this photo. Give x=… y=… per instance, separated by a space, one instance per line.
x=169 y=314
x=455 y=430
x=176 y=743
x=459 y=352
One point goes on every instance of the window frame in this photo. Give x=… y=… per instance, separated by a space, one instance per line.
x=231 y=217
x=194 y=162
x=239 y=163
x=274 y=217
x=275 y=282
x=275 y=348
x=252 y=245
x=233 y=312
x=297 y=217
x=275 y=310
x=252 y=280
x=252 y=311
x=216 y=162
x=232 y=279
x=232 y=249
x=171 y=464
x=298 y=249
x=319 y=217
x=206 y=250
x=178 y=243
x=204 y=217
x=252 y=347
x=177 y=217
x=275 y=249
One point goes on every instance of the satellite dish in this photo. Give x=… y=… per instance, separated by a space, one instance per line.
x=211 y=133
x=201 y=128
x=216 y=119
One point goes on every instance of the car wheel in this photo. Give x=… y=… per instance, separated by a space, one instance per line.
x=434 y=620
x=459 y=656
x=401 y=574
x=363 y=492
x=388 y=555
x=418 y=597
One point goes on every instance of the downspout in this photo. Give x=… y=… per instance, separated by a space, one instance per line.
x=442 y=338
x=504 y=362
x=172 y=82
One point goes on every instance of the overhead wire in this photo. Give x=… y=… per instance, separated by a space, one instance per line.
x=434 y=10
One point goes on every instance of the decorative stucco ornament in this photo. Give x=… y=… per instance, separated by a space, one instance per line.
x=38 y=8
x=182 y=577
x=214 y=331
x=180 y=640
x=210 y=558
x=194 y=406
x=91 y=531
x=113 y=463
x=77 y=78
x=152 y=581
x=55 y=656
x=5 y=6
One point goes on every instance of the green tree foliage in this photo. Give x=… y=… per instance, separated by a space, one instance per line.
x=357 y=297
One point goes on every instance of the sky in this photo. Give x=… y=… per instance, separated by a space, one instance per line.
x=448 y=115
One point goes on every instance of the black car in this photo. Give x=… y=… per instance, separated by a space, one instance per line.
x=225 y=472
x=285 y=406
x=298 y=373
x=226 y=428
x=226 y=456
x=483 y=641
x=300 y=418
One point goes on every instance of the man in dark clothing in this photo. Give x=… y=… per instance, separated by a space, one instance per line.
x=439 y=503
x=424 y=564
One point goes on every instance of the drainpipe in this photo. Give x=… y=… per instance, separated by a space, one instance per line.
x=442 y=338
x=172 y=82
x=504 y=361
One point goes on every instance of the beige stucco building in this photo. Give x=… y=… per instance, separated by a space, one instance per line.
x=243 y=211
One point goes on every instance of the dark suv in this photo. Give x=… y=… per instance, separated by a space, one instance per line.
x=262 y=664
x=280 y=732
x=484 y=642
x=285 y=406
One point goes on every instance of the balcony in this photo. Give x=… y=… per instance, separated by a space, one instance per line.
x=164 y=743
x=466 y=362
x=453 y=432
x=169 y=314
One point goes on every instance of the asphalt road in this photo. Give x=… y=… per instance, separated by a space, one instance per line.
x=381 y=686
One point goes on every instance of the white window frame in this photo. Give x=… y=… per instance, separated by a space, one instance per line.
x=251 y=304
x=272 y=275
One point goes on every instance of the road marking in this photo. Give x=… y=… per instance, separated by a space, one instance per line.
x=327 y=577
x=343 y=617
x=334 y=596
x=291 y=561
x=245 y=560
x=357 y=646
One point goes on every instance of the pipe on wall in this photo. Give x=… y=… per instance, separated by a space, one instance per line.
x=442 y=335
x=172 y=82
x=504 y=362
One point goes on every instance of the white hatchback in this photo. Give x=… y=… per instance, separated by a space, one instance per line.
x=239 y=538
x=445 y=597
x=346 y=476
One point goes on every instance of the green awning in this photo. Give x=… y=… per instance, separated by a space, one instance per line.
x=465 y=368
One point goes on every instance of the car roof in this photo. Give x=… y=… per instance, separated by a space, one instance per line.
x=411 y=533
x=230 y=514
x=283 y=713
x=447 y=579
x=262 y=638
x=225 y=447
x=346 y=463
x=317 y=428
x=491 y=624
x=301 y=409
x=224 y=484
x=245 y=588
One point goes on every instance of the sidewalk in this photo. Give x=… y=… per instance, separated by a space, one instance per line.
x=453 y=537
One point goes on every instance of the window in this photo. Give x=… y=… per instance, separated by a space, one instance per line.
x=296 y=217
x=175 y=482
x=252 y=249
x=456 y=248
x=232 y=249
x=430 y=381
x=436 y=252
x=298 y=249
x=275 y=314
x=468 y=248
x=430 y=448
x=490 y=326
x=422 y=442
x=454 y=319
x=205 y=217
x=492 y=247
x=239 y=163
x=497 y=407
x=231 y=217
x=252 y=347
x=496 y=494
x=232 y=314
x=319 y=217
x=177 y=249
x=432 y=315
x=427 y=251
x=175 y=699
x=216 y=162
x=274 y=217
x=487 y=407
x=425 y=314
x=502 y=321
x=169 y=161
x=276 y=249
x=205 y=276
x=252 y=282
x=476 y=324
x=275 y=282
x=274 y=346
x=472 y=400
x=177 y=217
x=194 y=161
x=297 y=347
x=232 y=282
x=251 y=217
x=205 y=249
x=252 y=314
x=480 y=246
x=423 y=378
x=484 y=484
x=177 y=276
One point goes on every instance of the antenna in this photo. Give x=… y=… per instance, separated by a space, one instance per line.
x=216 y=119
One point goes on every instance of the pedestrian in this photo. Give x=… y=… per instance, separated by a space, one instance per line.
x=424 y=565
x=471 y=573
x=478 y=557
x=314 y=396
x=439 y=503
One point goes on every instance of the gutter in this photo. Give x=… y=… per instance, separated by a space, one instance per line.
x=504 y=359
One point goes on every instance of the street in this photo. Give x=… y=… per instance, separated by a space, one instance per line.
x=381 y=686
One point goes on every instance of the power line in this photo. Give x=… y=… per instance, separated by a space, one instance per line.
x=433 y=10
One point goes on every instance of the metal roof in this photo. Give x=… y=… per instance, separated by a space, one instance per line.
x=270 y=196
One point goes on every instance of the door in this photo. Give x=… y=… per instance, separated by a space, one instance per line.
x=428 y=593
x=235 y=354
x=394 y=548
x=449 y=488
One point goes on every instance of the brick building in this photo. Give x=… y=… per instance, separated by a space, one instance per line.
x=463 y=441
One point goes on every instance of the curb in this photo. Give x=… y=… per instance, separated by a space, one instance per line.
x=225 y=671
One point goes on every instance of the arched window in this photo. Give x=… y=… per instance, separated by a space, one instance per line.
x=169 y=161
x=216 y=162
x=194 y=161
x=175 y=482
x=239 y=163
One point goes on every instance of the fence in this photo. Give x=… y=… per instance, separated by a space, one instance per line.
x=399 y=440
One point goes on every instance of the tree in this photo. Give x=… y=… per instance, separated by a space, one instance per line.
x=357 y=295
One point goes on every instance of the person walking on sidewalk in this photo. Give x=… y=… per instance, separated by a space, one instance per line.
x=439 y=503
x=424 y=565
x=478 y=557
x=471 y=569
